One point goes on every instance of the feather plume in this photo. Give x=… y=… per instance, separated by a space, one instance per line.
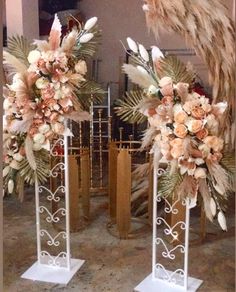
x=55 y=34
x=148 y=103
x=138 y=77
x=29 y=152
x=188 y=187
x=69 y=41
x=22 y=126
x=78 y=116
x=220 y=177
x=141 y=170
x=206 y=196
x=148 y=137
x=14 y=64
x=42 y=46
x=206 y=28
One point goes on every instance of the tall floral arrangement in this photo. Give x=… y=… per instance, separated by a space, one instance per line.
x=183 y=129
x=49 y=86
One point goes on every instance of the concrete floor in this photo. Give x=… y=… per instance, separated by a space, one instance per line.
x=112 y=265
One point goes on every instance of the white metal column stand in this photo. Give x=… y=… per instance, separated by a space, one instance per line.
x=162 y=280
x=50 y=268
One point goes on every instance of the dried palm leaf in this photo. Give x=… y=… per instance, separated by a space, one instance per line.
x=55 y=34
x=19 y=47
x=42 y=169
x=128 y=109
x=88 y=49
x=14 y=65
x=173 y=67
x=167 y=184
x=141 y=78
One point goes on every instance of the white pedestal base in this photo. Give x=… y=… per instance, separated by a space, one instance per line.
x=50 y=274
x=149 y=285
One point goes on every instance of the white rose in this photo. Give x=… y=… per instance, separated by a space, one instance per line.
x=37 y=146
x=177 y=108
x=34 y=56
x=156 y=53
x=56 y=107
x=5 y=170
x=200 y=172
x=212 y=124
x=39 y=138
x=81 y=67
x=18 y=157
x=152 y=89
x=14 y=164
x=42 y=82
x=165 y=81
x=6 y=104
x=44 y=128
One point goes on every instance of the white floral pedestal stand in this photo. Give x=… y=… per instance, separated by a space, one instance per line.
x=48 y=268
x=162 y=280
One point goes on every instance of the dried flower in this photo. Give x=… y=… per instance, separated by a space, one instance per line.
x=90 y=23
x=10 y=186
x=156 y=53
x=180 y=130
x=193 y=125
x=81 y=67
x=200 y=173
x=180 y=117
x=213 y=207
x=214 y=143
x=39 y=138
x=143 y=53
x=197 y=112
x=132 y=45
x=33 y=56
x=85 y=38
x=222 y=221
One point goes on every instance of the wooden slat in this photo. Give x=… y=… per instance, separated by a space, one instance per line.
x=74 y=193
x=112 y=179
x=85 y=182
x=123 y=209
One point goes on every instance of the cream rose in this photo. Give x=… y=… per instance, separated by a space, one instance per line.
x=81 y=67
x=180 y=117
x=200 y=172
x=39 y=138
x=214 y=143
x=59 y=128
x=44 y=128
x=193 y=125
x=165 y=81
x=33 y=56
x=42 y=83
x=177 y=148
x=212 y=124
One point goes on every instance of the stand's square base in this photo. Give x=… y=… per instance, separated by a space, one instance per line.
x=150 y=285
x=51 y=274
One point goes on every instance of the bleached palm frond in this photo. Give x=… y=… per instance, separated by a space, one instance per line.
x=85 y=90
x=138 y=77
x=128 y=108
x=55 y=34
x=19 y=47
x=173 y=67
x=42 y=169
x=69 y=41
x=14 y=65
x=167 y=184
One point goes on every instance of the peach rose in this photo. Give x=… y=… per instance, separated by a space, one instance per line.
x=180 y=130
x=151 y=112
x=59 y=128
x=202 y=134
x=197 y=112
x=167 y=100
x=194 y=126
x=214 y=143
x=177 y=148
x=180 y=117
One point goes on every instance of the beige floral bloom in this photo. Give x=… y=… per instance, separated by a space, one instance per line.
x=180 y=130
x=81 y=67
x=214 y=143
x=193 y=125
x=180 y=117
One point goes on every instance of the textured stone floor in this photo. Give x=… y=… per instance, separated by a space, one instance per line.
x=112 y=265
